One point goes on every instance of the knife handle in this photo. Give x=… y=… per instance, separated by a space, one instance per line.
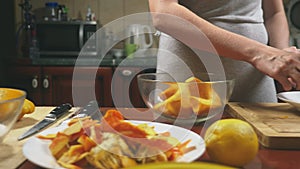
x=59 y=110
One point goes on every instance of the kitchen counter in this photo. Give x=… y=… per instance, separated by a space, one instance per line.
x=145 y=59
x=11 y=155
x=112 y=62
x=266 y=158
x=108 y=61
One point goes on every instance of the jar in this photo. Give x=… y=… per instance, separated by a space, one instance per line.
x=51 y=11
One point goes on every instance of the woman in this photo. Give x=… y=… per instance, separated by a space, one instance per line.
x=252 y=36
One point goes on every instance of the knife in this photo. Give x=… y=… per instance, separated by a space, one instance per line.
x=91 y=109
x=53 y=116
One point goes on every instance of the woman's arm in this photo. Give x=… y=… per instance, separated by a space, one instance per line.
x=226 y=43
x=279 y=64
x=276 y=23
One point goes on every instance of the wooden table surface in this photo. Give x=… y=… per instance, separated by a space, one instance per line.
x=265 y=159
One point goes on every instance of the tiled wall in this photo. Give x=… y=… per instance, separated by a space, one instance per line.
x=105 y=10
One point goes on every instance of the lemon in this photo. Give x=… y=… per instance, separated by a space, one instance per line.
x=231 y=142
x=27 y=108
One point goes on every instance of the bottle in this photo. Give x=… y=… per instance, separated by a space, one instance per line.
x=25 y=42
x=89 y=14
x=34 y=46
x=59 y=13
x=93 y=16
x=64 y=14
x=51 y=13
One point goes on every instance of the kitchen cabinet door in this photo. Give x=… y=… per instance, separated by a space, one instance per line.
x=28 y=78
x=60 y=87
x=125 y=91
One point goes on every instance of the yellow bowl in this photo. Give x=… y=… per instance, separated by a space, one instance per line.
x=190 y=99
x=11 y=102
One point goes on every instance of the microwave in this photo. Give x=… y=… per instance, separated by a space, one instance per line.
x=66 y=39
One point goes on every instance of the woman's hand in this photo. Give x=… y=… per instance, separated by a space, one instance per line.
x=292 y=49
x=284 y=66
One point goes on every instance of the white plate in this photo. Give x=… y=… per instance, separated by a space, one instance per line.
x=37 y=151
x=292 y=98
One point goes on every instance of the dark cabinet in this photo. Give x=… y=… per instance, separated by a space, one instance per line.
x=125 y=90
x=28 y=79
x=55 y=85
x=79 y=86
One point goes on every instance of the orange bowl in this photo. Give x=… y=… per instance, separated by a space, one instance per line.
x=11 y=102
x=190 y=99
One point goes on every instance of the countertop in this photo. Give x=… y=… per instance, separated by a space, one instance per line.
x=148 y=60
x=110 y=62
x=11 y=155
x=266 y=158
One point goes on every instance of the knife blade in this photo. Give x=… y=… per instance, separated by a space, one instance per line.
x=50 y=118
x=91 y=109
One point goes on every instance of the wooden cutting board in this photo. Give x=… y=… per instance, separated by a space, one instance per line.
x=276 y=124
x=11 y=155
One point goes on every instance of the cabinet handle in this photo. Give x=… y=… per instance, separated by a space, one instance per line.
x=46 y=83
x=34 y=82
x=126 y=72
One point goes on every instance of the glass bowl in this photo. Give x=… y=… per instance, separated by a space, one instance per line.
x=11 y=102
x=190 y=99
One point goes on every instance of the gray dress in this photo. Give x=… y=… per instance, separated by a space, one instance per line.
x=244 y=17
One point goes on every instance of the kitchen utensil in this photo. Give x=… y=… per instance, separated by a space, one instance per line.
x=11 y=102
x=276 y=124
x=53 y=116
x=91 y=109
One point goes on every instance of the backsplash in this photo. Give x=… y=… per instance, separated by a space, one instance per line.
x=105 y=10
